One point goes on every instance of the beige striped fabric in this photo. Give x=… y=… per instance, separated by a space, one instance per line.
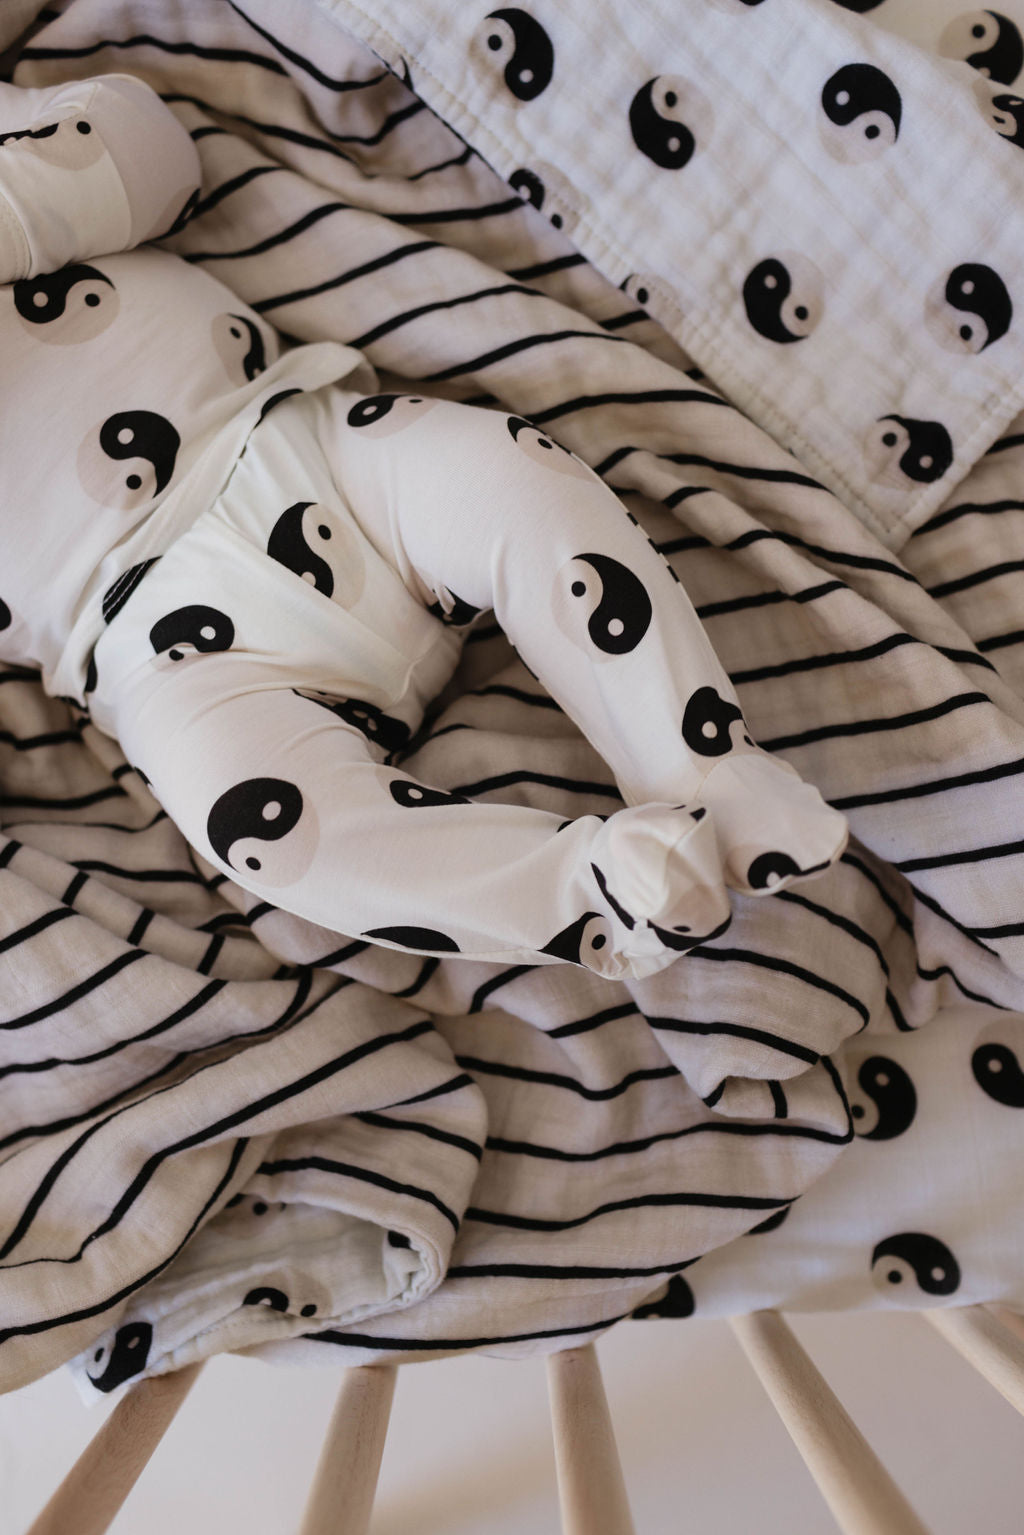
x=222 y=1128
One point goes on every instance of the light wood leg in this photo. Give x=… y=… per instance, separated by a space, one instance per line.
x=995 y=1351
x=345 y=1483
x=861 y=1494
x=104 y=1474
x=591 y=1490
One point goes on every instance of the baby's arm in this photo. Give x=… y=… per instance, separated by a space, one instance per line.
x=88 y=168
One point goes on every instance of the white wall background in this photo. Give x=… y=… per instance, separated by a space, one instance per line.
x=469 y=1448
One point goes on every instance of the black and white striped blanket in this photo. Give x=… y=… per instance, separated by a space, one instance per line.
x=223 y=1128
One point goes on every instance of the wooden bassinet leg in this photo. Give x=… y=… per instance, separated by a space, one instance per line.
x=862 y=1495
x=591 y=1490
x=104 y=1474
x=995 y=1350
x=345 y=1482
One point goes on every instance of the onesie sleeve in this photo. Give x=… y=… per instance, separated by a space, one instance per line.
x=87 y=169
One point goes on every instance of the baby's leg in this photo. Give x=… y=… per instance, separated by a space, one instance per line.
x=293 y=802
x=477 y=509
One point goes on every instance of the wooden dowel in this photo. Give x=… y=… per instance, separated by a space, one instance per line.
x=591 y=1490
x=987 y=1344
x=345 y=1481
x=104 y=1474
x=1011 y=1320
x=861 y=1494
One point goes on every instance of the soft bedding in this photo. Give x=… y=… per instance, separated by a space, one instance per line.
x=224 y=1128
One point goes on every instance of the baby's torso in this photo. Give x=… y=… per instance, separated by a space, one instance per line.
x=126 y=382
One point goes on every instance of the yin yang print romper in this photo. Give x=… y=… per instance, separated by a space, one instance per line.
x=267 y=671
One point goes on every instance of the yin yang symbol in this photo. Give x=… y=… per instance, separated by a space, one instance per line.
x=708 y=721
x=239 y=345
x=986 y=40
x=452 y=610
x=1003 y=111
x=6 y=617
x=128 y=1356
x=302 y=538
x=860 y=6
x=70 y=143
x=914 y=1255
x=529 y=186
x=264 y=828
x=601 y=606
x=415 y=938
x=862 y=113
x=968 y=310
x=381 y=415
x=891 y=1099
x=602 y=884
x=901 y=449
x=66 y=307
x=411 y=795
x=191 y=631
x=668 y=118
x=543 y=449
x=997 y=1071
x=784 y=297
x=582 y=942
x=380 y=728
x=129 y=460
x=516 y=40
x=677 y=1301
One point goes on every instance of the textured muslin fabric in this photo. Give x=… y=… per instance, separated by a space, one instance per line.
x=557 y=1147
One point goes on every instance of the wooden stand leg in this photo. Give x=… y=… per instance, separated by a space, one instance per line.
x=345 y=1483
x=590 y=1485
x=104 y=1474
x=995 y=1351
x=856 y=1486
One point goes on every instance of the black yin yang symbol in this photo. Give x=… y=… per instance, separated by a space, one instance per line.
x=969 y=309
x=891 y=1099
x=767 y=871
x=708 y=721
x=75 y=304
x=300 y=540
x=267 y=1295
x=264 y=830
x=413 y=795
x=601 y=606
x=685 y=939
x=986 y=40
x=70 y=143
x=620 y=911
x=129 y=460
x=452 y=610
x=191 y=631
x=529 y=186
x=860 y=6
x=516 y=40
x=380 y=728
x=6 y=617
x=128 y=1356
x=669 y=117
x=239 y=345
x=915 y=1255
x=862 y=110
x=998 y=1073
x=415 y=938
x=586 y=942
x=784 y=297
x=677 y=1301
x=381 y=415
x=544 y=450
x=1003 y=111
x=902 y=449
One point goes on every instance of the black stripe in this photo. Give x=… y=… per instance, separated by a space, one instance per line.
x=488 y=988
x=511 y=348
x=145 y=40
x=779 y=1099
x=546 y=268
x=1003 y=443
x=446 y=1137
x=233 y=184
x=594 y=1021
x=70 y=802
x=967 y=509
x=449 y=1345
x=7 y=852
x=629 y=397
x=570 y=1084
x=845 y=924
x=321 y=211
x=613 y=1206
x=559 y=1270
x=306 y=64
x=388 y=259
x=338 y=956
x=998 y=641
x=762 y=599
x=976 y=578
x=80 y=879
x=833 y=556
x=453 y=1085
x=736 y=1031
x=407 y=316
x=209 y=959
x=442 y=165
x=972 y=996
x=506 y=780
x=427 y=969
x=851 y=657
x=932 y=786
x=781 y=967
x=75 y=993
x=879 y=723
x=145 y=917
x=741 y=471
x=71 y=737
x=58 y=914
x=964 y=855
x=326 y=144
x=503 y=690
x=361 y=1175
x=720 y=1126
x=149 y=876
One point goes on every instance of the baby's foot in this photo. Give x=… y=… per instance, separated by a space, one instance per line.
x=661 y=865
x=773 y=828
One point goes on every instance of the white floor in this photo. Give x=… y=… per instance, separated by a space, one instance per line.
x=469 y=1449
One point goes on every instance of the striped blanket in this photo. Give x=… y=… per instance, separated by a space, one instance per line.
x=222 y=1128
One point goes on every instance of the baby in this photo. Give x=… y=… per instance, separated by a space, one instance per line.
x=255 y=570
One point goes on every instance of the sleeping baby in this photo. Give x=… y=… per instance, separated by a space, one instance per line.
x=256 y=570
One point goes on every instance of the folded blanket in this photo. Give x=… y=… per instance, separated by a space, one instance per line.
x=226 y=1129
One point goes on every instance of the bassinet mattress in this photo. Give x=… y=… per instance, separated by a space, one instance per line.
x=225 y=1129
